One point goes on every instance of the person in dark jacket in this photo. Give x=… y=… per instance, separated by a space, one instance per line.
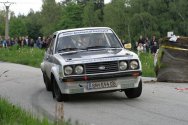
x=153 y=45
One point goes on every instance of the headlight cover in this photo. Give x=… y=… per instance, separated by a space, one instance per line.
x=122 y=65
x=68 y=70
x=134 y=65
x=79 y=69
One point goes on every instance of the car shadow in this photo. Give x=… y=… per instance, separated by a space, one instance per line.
x=96 y=97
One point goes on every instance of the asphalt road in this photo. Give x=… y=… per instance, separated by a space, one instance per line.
x=159 y=104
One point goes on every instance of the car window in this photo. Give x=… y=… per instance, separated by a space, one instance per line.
x=87 y=39
x=114 y=42
x=51 y=46
x=65 y=44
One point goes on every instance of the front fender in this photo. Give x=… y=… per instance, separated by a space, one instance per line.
x=42 y=66
x=55 y=72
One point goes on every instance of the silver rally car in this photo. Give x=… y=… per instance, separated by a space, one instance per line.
x=86 y=60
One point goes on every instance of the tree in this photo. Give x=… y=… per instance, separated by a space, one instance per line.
x=2 y=24
x=116 y=17
x=33 y=25
x=17 y=27
x=71 y=16
x=50 y=16
x=129 y=18
x=143 y=24
x=90 y=16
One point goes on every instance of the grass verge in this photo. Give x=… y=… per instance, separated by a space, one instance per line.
x=26 y=56
x=147 y=61
x=11 y=115
x=33 y=57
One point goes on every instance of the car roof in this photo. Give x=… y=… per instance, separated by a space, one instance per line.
x=86 y=28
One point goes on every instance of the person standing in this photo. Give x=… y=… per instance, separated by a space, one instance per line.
x=141 y=40
x=147 y=44
x=39 y=42
x=5 y=43
x=154 y=45
x=140 y=48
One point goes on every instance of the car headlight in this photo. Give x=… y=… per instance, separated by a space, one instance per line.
x=122 y=65
x=68 y=70
x=79 y=69
x=134 y=65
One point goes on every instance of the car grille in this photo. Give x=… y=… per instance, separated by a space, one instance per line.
x=101 y=67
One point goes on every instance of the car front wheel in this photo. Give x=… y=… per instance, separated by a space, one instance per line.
x=57 y=92
x=134 y=92
x=47 y=82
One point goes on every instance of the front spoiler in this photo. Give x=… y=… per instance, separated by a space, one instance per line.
x=75 y=87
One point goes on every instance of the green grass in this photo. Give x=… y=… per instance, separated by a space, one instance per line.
x=26 y=56
x=147 y=61
x=11 y=115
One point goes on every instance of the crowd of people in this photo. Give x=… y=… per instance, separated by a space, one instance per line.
x=146 y=45
x=142 y=45
x=41 y=42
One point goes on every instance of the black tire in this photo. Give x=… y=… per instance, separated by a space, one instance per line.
x=47 y=82
x=134 y=92
x=57 y=93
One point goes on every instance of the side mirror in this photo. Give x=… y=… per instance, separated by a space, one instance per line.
x=128 y=46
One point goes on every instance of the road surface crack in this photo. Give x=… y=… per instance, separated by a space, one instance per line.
x=4 y=73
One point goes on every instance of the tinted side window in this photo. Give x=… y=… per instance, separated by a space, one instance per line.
x=51 y=46
x=113 y=40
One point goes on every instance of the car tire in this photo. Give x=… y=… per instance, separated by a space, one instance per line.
x=57 y=93
x=47 y=82
x=134 y=92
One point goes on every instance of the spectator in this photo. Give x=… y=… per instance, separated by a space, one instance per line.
x=16 y=41
x=1 y=41
x=140 y=48
x=5 y=43
x=147 y=44
x=154 y=45
x=141 y=40
x=26 y=41
x=39 y=42
x=12 y=42
x=31 y=43
x=19 y=41
x=22 y=39
x=136 y=45
x=44 y=42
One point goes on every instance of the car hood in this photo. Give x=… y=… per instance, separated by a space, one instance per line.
x=96 y=54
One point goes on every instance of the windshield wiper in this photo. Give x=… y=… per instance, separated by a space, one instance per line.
x=95 y=47
x=114 y=47
x=67 y=49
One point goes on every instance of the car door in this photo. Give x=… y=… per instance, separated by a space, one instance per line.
x=48 y=59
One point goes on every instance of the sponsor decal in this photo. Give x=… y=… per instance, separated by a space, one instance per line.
x=85 y=32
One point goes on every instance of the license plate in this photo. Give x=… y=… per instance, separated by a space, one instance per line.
x=102 y=84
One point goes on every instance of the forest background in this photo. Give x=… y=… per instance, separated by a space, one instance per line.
x=128 y=18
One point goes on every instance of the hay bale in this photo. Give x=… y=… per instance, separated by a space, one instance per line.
x=172 y=60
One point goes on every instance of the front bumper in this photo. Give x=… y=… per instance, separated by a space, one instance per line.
x=80 y=85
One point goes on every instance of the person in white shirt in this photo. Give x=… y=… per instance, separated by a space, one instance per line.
x=140 y=48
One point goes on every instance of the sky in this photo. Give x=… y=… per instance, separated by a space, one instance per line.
x=23 y=6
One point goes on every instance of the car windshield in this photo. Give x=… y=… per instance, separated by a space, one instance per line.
x=86 y=41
